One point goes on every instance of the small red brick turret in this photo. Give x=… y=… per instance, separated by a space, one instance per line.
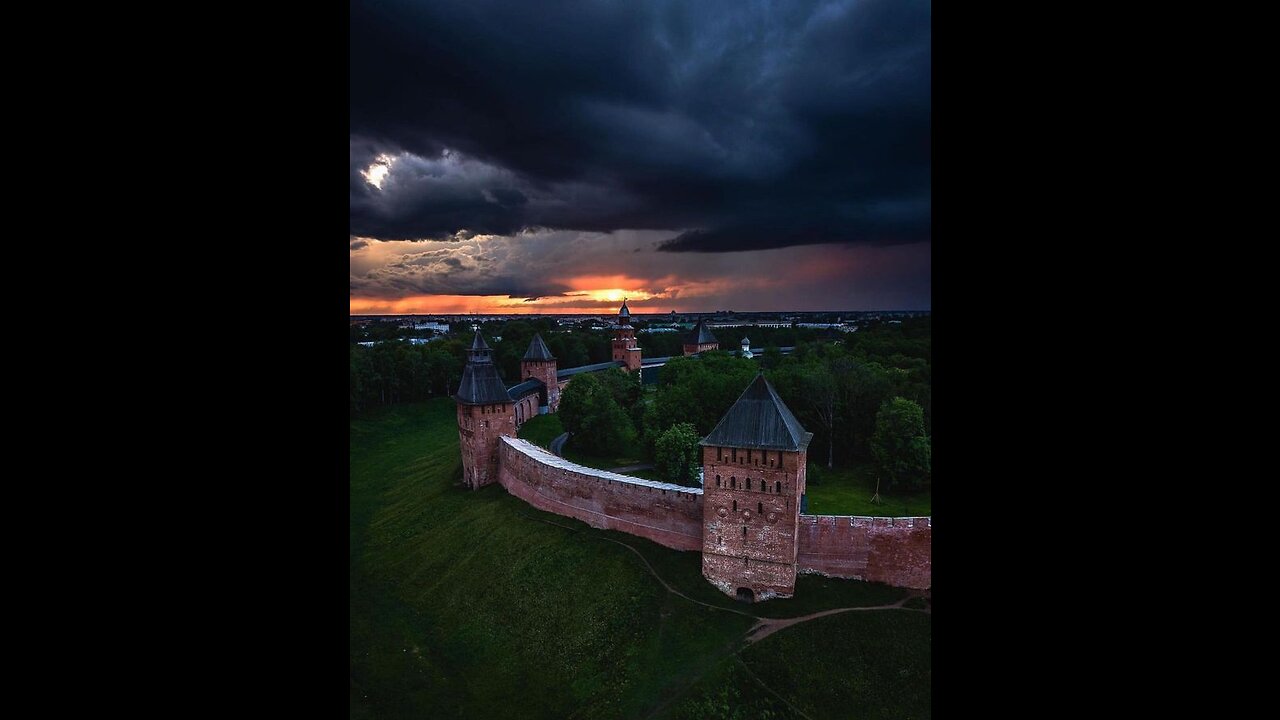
x=753 y=479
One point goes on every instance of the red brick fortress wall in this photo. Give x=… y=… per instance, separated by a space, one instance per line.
x=667 y=514
x=895 y=551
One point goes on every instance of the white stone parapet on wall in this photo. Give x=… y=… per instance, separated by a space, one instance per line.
x=547 y=458
x=670 y=515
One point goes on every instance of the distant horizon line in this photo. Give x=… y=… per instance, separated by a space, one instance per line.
x=678 y=312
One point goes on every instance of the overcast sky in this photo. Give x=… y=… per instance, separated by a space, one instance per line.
x=556 y=156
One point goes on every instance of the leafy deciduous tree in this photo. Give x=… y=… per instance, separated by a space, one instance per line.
x=901 y=449
x=676 y=454
x=598 y=423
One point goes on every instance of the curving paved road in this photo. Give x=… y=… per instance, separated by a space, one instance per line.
x=558 y=444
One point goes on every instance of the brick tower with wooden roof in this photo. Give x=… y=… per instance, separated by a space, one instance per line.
x=699 y=340
x=485 y=413
x=539 y=364
x=753 y=466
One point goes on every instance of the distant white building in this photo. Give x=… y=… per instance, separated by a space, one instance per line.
x=718 y=325
x=838 y=326
x=746 y=349
x=438 y=327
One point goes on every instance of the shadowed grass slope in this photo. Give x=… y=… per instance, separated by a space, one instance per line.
x=464 y=605
x=868 y=665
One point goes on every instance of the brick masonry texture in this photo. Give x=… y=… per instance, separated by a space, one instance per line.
x=479 y=427
x=544 y=370
x=667 y=514
x=895 y=551
x=752 y=502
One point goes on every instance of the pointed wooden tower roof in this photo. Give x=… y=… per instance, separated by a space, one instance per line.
x=759 y=419
x=700 y=335
x=480 y=382
x=538 y=349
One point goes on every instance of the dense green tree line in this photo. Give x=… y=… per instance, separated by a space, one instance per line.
x=393 y=372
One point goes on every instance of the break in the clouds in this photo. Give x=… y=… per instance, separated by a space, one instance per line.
x=719 y=126
x=567 y=271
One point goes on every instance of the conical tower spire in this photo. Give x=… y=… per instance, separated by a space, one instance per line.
x=481 y=384
x=480 y=351
x=538 y=349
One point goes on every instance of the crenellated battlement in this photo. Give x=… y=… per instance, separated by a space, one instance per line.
x=866 y=520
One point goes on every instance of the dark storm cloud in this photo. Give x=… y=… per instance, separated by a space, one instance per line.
x=463 y=268
x=745 y=124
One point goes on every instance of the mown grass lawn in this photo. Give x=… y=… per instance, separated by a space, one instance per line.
x=541 y=430
x=848 y=491
x=473 y=604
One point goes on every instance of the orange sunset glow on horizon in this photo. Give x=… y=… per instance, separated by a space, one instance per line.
x=540 y=275
x=608 y=302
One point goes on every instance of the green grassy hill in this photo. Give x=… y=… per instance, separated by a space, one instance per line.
x=473 y=604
